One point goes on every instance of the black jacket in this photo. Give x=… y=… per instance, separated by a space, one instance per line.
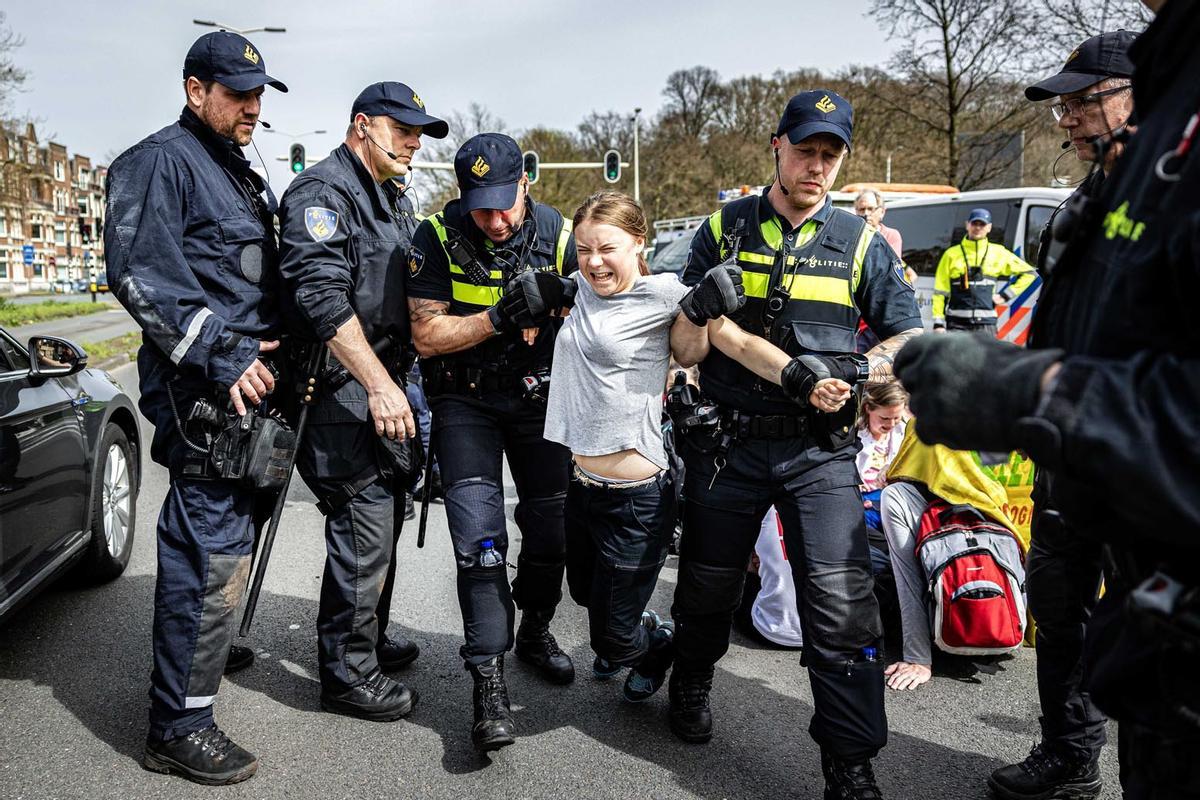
x=1124 y=416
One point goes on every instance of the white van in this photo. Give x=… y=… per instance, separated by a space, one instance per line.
x=930 y=225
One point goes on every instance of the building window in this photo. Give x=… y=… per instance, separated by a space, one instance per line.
x=35 y=231
x=3 y=226
x=37 y=269
x=60 y=233
x=4 y=264
x=83 y=207
x=60 y=174
x=83 y=175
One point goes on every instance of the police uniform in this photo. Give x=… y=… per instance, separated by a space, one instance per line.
x=191 y=256
x=481 y=409
x=1064 y=567
x=967 y=277
x=806 y=289
x=345 y=239
x=1116 y=425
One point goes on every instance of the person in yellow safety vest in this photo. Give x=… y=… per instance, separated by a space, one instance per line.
x=964 y=287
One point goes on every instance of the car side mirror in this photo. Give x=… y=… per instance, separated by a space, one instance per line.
x=52 y=357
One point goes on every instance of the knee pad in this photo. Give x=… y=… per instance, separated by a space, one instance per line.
x=705 y=589
x=475 y=512
x=840 y=613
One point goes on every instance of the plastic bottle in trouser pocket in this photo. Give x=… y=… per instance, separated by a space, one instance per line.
x=774 y=612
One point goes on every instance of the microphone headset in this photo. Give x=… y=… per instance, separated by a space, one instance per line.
x=265 y=124
x=1117 y=133
x=387 y=153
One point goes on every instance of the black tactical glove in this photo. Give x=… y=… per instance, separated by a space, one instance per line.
x=802 y=373
x=719 y=292
x=529 y=299
x=969 y=392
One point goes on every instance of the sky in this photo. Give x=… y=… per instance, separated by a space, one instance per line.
x=105 y=74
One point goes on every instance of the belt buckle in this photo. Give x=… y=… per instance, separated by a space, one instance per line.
x=770 y=427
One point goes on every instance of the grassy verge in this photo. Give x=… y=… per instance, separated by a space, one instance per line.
x=99 y=351
x=13 y=315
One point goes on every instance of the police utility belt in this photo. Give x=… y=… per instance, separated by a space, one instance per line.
x=443 y=376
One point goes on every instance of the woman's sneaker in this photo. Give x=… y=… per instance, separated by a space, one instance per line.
x=651 y=672
x=602 y=670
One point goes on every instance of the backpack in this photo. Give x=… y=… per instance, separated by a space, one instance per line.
x=976 y=574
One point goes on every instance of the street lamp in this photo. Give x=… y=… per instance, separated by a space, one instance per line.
x=637 y=177
x=294 y=135
x=208 y=23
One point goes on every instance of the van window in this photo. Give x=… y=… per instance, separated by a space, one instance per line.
x=929 y=229
x=1035 y=219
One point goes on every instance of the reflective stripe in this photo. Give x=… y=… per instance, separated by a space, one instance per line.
x=755 y=283
x=860 y=255
x=969 y=313
x=758 y=258
x=193 y=331
x=495 y=275
x=475 y=295
x=939 y=291
x=199 y=702
x=560 y=252
x=822 y=289
x=714 y=225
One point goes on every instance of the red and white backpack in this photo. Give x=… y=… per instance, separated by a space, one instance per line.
x=976 y=573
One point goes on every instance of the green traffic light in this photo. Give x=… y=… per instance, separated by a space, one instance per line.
x=297 y=167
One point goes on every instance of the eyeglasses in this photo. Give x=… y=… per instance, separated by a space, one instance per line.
x=1076 y=105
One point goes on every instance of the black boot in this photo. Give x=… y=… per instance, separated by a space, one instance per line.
x=1048 y=772
x=239 y=658
x=378 y=698
x=690 y=716
x=537 y=646
x=494 y=724
x=396 y=653
x=205 y=756
x=848 y=780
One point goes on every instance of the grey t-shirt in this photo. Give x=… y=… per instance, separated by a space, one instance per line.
x=610 y=367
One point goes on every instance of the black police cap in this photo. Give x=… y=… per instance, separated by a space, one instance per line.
x=1100 y=57
x=489 y=167
x=817 y=111
x=230 y=60
x=401 y=103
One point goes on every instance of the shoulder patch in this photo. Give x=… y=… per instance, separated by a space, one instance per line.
x=321 y=223
x=416 y=260
x=901 y=272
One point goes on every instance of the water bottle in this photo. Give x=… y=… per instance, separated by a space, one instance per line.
x=489 y=556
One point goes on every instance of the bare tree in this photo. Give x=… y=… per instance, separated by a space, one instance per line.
x=693 y=96
x=956 y=76
x=12 y=76
x=1063 y=24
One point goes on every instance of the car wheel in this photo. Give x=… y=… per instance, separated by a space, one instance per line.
x=114 y=506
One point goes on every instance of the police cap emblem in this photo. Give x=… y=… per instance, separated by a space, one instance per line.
x=321 y=223
x=480 y=167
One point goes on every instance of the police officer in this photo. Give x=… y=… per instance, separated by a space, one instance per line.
x=964 y=286
x=810 y=271
x=345 y=230
x=191 y=255
x=1106 y=403
x=1064 y=567
x=486 y=372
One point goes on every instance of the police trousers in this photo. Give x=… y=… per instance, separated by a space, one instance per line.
x=206 y=532
x=360 y=541
x=816 y=496
x=617 y=543
x=470 y=436
x=1063 y=575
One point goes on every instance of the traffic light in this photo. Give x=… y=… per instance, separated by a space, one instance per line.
x=612 y=166
x=296 y=156
x=531 y=165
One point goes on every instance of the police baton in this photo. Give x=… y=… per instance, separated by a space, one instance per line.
x=426 y=500
x=316 y=366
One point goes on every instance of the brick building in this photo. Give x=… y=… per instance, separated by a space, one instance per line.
x=53 y=202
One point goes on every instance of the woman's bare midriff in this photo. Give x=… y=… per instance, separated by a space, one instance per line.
x=627 y=465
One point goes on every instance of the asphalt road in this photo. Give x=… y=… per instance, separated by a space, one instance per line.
x=75 y=663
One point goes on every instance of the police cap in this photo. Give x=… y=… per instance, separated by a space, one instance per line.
x=817 y=111
x=980 y=215
x=230 y=60
x=401 y=103
x=488 y=167
x=1100 y=57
